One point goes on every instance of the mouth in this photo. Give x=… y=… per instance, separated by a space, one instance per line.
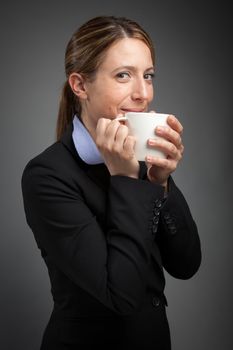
x=126 y=110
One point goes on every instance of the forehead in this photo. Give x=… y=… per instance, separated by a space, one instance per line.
x=127 y=52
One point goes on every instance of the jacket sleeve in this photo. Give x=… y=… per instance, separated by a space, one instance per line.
x=177 y=237
x=109 y=264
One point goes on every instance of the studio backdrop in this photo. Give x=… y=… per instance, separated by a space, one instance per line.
x=193 y=81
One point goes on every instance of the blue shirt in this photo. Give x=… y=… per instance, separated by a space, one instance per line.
x=84 y=143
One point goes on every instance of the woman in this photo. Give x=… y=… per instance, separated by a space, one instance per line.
x=105 y=223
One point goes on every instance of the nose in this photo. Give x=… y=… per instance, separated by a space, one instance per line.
x=141 y=90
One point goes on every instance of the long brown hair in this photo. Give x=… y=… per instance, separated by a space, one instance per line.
x=85 y=52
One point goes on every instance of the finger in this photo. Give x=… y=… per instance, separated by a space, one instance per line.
x=110 y=132
x=129 y=145
x=165 y=146
x=168 y=165
x=160 y=162
x=169 y=134
x=174 y=123
x=100 y=130
x=181 y=149
x=121 y=134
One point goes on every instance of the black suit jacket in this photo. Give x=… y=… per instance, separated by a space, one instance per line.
x=105 y=240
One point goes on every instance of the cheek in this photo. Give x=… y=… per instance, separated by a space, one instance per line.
x=152 y=94
x=104 y=105
x=120 y=93
x=112 y=102
x=115 y=97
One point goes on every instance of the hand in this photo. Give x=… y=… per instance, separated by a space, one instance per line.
x=160 y=169
x=117 y=147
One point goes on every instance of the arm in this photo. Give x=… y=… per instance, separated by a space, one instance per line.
x=177 y=237
x=109 y=263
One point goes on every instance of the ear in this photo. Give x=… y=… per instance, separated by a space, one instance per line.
x=77 y=84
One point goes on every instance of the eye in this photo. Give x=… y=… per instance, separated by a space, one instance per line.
x=149 y=76
x=123 y=75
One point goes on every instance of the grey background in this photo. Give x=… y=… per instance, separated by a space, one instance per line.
x=193 y=81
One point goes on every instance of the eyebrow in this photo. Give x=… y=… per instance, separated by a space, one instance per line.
x=132 y=68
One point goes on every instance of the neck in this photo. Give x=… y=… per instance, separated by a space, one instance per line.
x=90 y=126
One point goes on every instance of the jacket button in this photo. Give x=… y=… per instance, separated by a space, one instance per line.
x=155 y=301
x=158 y=204
x=156 y=211
x=169 y=221
x=155 y=220
x=167 y=216
x=173 y=230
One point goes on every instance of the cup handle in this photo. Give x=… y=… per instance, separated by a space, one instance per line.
x=121 y=119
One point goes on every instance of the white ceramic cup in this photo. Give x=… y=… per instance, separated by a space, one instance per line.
x=142 y=126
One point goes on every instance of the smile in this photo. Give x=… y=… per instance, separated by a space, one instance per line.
x=133 y=110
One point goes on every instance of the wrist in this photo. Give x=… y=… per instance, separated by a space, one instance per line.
x=133 y=176
x=157 y=181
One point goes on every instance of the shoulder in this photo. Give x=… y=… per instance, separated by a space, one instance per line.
x=49 y=158
x=55 y=163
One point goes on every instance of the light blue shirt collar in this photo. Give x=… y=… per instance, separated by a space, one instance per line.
x=84 y=144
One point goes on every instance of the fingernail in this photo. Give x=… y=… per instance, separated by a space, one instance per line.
x=152 y=142
x=171 y=117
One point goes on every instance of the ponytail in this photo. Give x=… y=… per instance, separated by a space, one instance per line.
x=67 y=108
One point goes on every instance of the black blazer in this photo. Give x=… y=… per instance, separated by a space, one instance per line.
x=105 y=240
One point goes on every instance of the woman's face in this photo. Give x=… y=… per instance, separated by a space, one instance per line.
x=123 y=83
